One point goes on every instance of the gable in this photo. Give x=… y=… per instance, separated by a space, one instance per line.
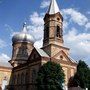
x=37 y=53
x=63 y=57
x=34 y=54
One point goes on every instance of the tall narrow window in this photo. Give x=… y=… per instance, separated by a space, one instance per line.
x=22 y=78
x=14 y=80
x=22 y=52
x=26 y=78
x=46 y=33
x=58 y=32
x=18 y=79
x=33 y=75
x=61 y=32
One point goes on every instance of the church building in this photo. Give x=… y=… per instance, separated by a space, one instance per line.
x=27 y=59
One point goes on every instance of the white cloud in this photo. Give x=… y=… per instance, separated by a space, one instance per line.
x=78 y=43
x=4 y=58
x=87 y=25
x=2 y=43
x=36 y=27
x=36 y=19
x=75 y=16
x=9 y=28
x=45 y=3
x=65 y=24
x=38 y=43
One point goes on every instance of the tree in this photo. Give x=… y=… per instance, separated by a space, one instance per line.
x=50 y=77
x=89 y=79
x=82 y=75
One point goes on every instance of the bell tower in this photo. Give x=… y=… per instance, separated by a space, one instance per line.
x=53 y=30
x=53 y=22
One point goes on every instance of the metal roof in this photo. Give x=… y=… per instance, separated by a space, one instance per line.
x=23 y=36
x=5 y=64
x=42 y=52
x=72 y=60
x=53 y=8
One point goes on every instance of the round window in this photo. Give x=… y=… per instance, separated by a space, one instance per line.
x=61 y=57
x=58 y=19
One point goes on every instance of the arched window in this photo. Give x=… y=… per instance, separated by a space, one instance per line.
x=18 y=79
x=33 y=75
x=22 y=78
x=22 y=51
x=61 y=32
x=58 y=32
x=26 y=78
x=14 y=79
x=46 y=32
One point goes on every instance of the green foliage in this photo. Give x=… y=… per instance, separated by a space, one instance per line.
x=72 y=82
x=89 y=79
x=50 y=77
x=82 y=76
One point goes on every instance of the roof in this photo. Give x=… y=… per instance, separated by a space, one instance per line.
x=23 y=36
x=53 y=8
x=5 y=64
x=42 y=52
x=72 y=60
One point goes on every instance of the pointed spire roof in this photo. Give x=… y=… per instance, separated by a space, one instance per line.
x=53 y=8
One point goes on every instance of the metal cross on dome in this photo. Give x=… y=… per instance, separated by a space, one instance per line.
x=25 y=27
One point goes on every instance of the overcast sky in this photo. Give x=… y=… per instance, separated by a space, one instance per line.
x=76 y=14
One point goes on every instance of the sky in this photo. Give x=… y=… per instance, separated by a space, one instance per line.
x=76 y=25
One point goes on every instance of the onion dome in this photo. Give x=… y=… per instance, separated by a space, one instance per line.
x=23 y=36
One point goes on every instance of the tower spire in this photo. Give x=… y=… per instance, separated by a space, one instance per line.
x=53 y=8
